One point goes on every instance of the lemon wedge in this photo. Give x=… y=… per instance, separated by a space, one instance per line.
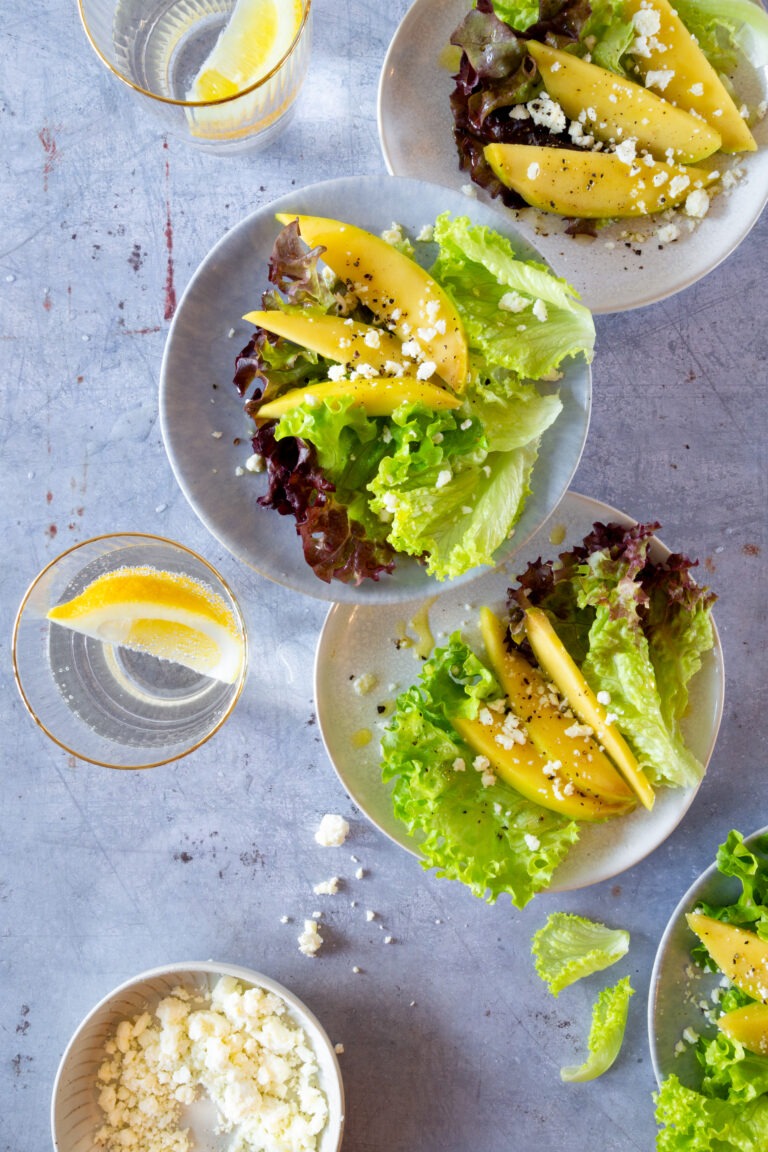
x=257 y=36
x=165 y=614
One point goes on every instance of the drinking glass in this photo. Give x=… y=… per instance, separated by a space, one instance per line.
x=100 y=701
x=157 y=48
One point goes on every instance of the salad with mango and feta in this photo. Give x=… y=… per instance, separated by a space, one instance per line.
x=399 y=411
x=728 y=1109
x=601 y=109
x=570 y=714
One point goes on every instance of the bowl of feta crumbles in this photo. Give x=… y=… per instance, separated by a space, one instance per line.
x=201 y=1056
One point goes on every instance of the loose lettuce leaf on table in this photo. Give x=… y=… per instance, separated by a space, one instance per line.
x=569 y=947
x=609 y=1022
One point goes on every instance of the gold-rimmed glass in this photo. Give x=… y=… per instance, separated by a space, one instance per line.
x=104 y=703
x=156 y=47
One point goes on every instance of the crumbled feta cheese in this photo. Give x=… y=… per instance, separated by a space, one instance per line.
x=327 y=887
x=426 y=233
x=658 y=78
x=360 y=873
x=548 y=113
x=459 y=765
x=425 y=370
x=696 y=89
x=603 y=697
x=697 y=204
x=678 y=184
x=372 y=338
x=370 y=915
x=513 y=302
x=443 y=478
x=540 y=310
x=532 y=842
x=332 y=832
x=627 y=151
x=481 y=763
x=533 y=170
x=255 y=463
x=364 y=684
x=239 y=1045
x=337 y=372
x=519 y=112
x=310 y=940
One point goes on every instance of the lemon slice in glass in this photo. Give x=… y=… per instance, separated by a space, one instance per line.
x=165 y=614
x=255 y=39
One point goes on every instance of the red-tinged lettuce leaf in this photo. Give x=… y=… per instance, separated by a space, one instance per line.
x=294 y=269
x=335 y=546
x=496 y=74
x=491 y=49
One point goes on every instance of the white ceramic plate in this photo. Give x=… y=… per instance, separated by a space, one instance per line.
x=364 y=640
x=678 y=986
x=202 y=415
x=416 y=132
x=75 y=1115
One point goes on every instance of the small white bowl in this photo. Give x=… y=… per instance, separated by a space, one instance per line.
x=75 y=1114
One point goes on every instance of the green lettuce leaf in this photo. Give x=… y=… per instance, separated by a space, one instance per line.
x=726 y=29
x=696 y=1123
x=609 y=1021
x=485 y=279
x=570 y=947
x=747 y=863
x=619 y=662
x=489 y=838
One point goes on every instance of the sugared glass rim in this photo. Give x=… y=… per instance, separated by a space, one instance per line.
x=157 y=540
x=194 y=103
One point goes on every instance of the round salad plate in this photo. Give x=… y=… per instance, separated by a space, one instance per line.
x=366 y=657
x=613 y=272
x=681 y=992
x=205 y=430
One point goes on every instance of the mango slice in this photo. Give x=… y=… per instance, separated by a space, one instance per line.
x=379 y=395
x=671 y=61
x=617 y=110
x=526 y=770
x=345 y=341
x=557 y=662
x=748 y=1026
x=398 y=291
x=739 y=953
x=581 y=759
x=594 y=185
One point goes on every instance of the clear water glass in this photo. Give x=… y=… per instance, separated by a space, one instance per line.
x=157 y=47
x=105 y=703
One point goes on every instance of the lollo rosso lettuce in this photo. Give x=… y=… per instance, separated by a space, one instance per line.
x=445 y=486
x=637 y=629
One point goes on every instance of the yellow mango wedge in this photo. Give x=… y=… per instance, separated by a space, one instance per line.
x=345 y=341
x=526 y=770
x=739 y=953
x=617 y=109
x=592 y=185
x=398 y=291
x=672 y=62
x=581 y=759
x=748 y=1026
x=557 y=662
x=378 y=395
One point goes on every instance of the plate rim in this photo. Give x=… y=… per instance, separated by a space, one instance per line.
x=687 y=796
x=650 y=297
x=369 y=591
x=694 y=889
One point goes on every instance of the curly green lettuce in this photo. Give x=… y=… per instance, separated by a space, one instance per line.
x=569 y=947
x=606 y=1035
x=491 y=839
